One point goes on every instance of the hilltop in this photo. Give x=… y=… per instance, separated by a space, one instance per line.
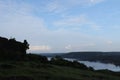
x=16 y=64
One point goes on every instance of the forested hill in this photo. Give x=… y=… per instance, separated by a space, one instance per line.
x=105 y=57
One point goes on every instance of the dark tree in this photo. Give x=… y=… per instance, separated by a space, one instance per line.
x=10 y=49
x=26 y=44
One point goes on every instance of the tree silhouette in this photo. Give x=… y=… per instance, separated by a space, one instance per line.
x=12 y=49
x=26 y=44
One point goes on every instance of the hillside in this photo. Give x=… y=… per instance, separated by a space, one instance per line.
x=41 y=71
x=105 y=57
x=16 y=64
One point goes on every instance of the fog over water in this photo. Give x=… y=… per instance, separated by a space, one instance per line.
x=99 y=65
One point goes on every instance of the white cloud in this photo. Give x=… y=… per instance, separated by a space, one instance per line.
x=40 y=48
x=81 y=47
x=96 y=1
x=68 y=47
x=13 y=7
x=71 y=21
x=22 y=27
x=85 y=45
x=89 y=45
x=76 y=21
x=84 y=2
x=109 y=42
x=17 y=20
x=54 y=6
x=57 y=6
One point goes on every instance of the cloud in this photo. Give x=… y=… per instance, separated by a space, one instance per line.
x=17 y=20
x=96 y=1
x=86 y=45
x=109 y=42
x=68 y=47
x=71 y=21
x=22 y=27
x=81 y=47
x=40 y=48
x=14 y=7
x=84 y=2
x=54 y=7
x=89 y=45
x=76 y=22
x=58 y=6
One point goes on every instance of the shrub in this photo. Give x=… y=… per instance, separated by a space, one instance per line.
x=34 y=57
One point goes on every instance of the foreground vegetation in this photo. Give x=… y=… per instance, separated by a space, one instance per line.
x=40 y=71
x=16 y=64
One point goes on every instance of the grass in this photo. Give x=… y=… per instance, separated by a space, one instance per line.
x=40 y=71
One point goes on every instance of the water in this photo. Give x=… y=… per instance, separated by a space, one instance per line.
x=98 y=65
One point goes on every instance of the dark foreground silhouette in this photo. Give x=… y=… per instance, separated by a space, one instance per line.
x=16 y=64
x=10 y=49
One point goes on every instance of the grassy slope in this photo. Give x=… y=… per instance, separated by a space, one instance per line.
x=39 y=71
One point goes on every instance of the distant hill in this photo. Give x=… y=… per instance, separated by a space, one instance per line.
x=105 y=57
x=51 y=54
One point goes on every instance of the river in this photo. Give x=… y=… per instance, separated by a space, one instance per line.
x=97 y=65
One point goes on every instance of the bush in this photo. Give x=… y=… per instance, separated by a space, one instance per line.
x=34 y=57
x=57 y=60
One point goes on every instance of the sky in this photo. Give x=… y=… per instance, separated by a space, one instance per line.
x=52 y=26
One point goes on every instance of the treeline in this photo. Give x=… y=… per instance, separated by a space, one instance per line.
x=12 y=50
x=105 y=57
x=58 y=60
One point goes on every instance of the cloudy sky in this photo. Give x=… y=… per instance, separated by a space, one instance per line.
x=62 y=25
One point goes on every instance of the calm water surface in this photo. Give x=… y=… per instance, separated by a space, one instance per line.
x=97 y=65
